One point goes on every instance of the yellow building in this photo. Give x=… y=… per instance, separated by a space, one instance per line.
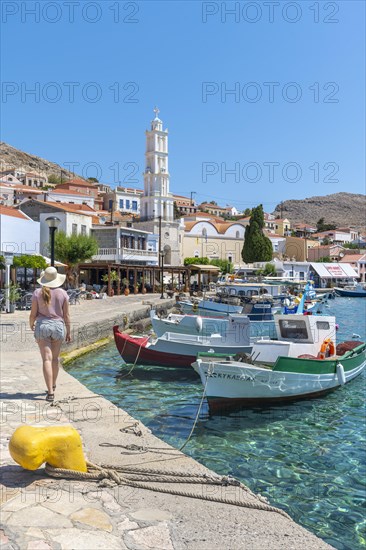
x=282 y=227
x=214 y=240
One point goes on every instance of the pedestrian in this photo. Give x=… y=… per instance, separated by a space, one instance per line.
x=50 y=320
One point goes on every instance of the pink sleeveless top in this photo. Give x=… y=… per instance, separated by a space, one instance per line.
x=54 y=310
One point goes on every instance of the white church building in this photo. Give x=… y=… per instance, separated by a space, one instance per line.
x=157 y=203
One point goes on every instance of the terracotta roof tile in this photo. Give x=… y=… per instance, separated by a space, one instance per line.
x=14 y=212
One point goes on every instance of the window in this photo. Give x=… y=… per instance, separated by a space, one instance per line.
x=83 y=229
x=322 y=325
x=237 y=235
x=302 y=275
x=74 y=229
x=134 y=205
x=127 y=204
x=110 y=204
x=294 y=330
x=121 y=203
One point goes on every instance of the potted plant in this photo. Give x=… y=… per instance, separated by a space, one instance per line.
x=125 y=283
x=136 y=289
x=113 y=276
x=14 y=296
x=143 y=288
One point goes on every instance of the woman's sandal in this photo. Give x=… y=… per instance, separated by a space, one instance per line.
x=50 y=397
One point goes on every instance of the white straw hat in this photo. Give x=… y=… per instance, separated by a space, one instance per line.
x=50 y=278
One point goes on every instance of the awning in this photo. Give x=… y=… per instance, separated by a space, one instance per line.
x=199 y=267
x=334 y=270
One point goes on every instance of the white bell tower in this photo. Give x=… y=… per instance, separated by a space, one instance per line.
x=157 y=200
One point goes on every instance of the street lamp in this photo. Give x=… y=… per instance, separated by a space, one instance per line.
x=162 y=255
x=53 y=222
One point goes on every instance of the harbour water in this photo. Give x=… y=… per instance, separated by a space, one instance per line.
x=308 y=458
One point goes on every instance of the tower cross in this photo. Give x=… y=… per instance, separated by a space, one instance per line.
x=156 y=111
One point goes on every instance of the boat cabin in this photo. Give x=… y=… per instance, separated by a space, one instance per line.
x=244 y=290
x=297 y=335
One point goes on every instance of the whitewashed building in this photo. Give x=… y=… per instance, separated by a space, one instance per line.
x=19 y=233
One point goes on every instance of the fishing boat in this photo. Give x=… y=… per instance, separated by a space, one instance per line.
x=178 y=350
x=208 y=307
x=357 y=291
x=232 y=325
x=303 y=362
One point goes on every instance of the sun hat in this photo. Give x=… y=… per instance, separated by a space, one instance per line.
x=50 y=278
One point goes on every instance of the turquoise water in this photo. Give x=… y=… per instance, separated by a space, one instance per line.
x=307 y=458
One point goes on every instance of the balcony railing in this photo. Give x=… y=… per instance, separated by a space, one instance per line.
x=124 y=253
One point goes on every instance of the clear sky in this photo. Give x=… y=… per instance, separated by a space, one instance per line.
x=293 y=126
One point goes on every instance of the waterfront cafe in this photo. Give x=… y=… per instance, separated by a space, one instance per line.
x=327 y=275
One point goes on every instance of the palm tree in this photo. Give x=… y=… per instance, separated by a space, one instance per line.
x=74 y=250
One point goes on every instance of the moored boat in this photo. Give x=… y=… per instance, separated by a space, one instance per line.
x=303 y=363
x=175 y=350
x=357 y=291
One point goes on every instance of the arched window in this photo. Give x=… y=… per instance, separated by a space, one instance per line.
x=204 y=232
x=237 y=235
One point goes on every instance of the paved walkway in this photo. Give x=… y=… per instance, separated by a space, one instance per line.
x=42 y=513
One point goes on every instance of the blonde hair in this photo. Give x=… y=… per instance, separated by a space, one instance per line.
x=46 y=295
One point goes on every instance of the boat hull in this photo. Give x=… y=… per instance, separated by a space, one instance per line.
x=351 y=293
x=167 y=352
x=230 y=384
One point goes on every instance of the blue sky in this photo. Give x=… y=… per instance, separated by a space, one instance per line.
x=293 y=127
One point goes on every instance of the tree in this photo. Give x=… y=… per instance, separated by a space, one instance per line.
x=52 y=178
x=247 y=212
x=28 y=261
x=325 y=259
x=225 y=265
x=322 y=226
x=213 y=202
x=268 y=271
x=176 y=211
x=93 y=180
x=196 y=261
x=74 y=250
x=325 y=241
x=257 y=246
x=353 y=246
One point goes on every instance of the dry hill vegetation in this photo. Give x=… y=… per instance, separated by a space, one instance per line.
x=342 y=209
x=10 y=157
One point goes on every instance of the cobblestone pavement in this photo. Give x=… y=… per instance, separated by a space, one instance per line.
x=43 y=513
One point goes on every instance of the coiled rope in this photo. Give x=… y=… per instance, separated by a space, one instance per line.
x=142 y=478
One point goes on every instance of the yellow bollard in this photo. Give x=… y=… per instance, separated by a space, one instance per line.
x=60 y=446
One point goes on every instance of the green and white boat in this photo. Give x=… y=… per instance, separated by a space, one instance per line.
x=304 y=362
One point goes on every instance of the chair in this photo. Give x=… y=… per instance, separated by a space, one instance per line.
x=26 y=301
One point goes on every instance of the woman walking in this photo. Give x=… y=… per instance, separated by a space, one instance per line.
x=50 y=320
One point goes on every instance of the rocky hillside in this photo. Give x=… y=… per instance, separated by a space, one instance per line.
x=342 y=209
x=10 y=157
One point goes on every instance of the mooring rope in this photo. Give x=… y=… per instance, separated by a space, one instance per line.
x=198 y=410
x=109 y=476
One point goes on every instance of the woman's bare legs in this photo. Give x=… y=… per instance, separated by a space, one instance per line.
x=55 y=348
x=46 y=353
x=50 y=352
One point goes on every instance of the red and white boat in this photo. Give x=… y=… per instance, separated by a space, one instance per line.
x=174 y=350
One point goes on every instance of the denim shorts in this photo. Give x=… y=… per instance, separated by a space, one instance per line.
x=49 y=329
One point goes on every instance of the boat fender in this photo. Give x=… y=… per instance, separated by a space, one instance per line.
x=287 y=302
x=59 y=446
x=327 y=349
x=199 y=324
x=340 y=374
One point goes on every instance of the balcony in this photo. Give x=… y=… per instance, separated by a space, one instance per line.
x=128 y=255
